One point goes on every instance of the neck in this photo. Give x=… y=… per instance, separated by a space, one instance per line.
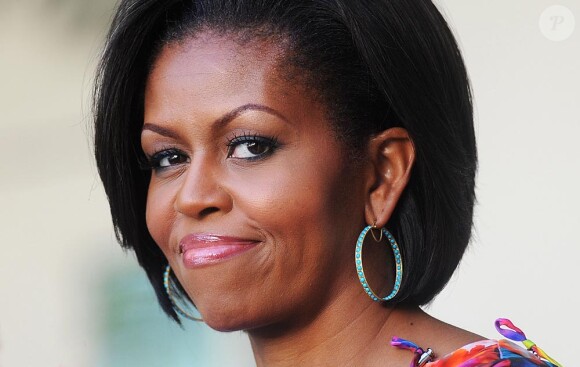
x=352 y=330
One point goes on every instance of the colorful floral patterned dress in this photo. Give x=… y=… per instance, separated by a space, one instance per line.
x=485 y=353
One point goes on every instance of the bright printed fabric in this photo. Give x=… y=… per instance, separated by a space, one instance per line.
x=488 y=353
x=485 y=353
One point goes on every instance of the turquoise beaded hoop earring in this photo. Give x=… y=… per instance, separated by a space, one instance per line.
x=169 y=290
x=360 y=269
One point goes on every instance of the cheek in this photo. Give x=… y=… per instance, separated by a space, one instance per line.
x=160 y=214
x=276 y=193
x=296 y=203
x=267 y=194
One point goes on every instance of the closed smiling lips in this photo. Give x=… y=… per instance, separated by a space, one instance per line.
x=199 y=249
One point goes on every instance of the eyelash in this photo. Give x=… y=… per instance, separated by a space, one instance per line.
x=270 y=142
x=153 y=162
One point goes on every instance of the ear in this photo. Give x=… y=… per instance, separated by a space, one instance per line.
x=391 y=155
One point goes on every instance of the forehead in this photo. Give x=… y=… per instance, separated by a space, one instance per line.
x=212 y=66
x=220 y=48
x=195 y=82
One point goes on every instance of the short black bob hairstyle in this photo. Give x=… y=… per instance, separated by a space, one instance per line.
x=375 y=64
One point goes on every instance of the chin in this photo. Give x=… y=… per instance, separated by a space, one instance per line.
x=223 y=315
x=236 y=316
x=225 y=322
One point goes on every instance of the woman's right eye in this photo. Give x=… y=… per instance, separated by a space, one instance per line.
x=167 y=158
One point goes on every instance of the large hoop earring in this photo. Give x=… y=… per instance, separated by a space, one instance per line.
x=374 y=226
x=360 y=268
x=169 y=289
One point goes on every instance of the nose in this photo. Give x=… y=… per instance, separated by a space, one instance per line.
x=200 y=193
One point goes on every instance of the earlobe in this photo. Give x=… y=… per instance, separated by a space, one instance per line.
x=391 y=155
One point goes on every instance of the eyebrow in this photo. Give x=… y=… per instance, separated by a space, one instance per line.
x=220 y=122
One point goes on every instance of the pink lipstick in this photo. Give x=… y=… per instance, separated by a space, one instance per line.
x=199 y=249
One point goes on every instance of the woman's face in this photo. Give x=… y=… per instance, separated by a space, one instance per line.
x=251 y=198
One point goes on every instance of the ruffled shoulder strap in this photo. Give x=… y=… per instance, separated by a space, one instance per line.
x=506 y=328
x=484 y=351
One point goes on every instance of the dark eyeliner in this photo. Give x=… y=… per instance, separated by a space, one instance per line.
x=271 y=142
x=152 y=162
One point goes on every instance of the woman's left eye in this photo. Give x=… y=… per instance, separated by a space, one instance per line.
x=251 y=147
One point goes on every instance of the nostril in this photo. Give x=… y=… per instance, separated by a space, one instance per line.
x=199 y=197
x=207 y=211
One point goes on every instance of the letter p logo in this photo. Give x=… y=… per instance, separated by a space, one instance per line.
x=557 y=23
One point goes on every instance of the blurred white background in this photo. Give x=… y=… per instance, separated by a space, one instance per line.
x=65 y=283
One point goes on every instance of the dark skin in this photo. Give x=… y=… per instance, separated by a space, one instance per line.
x=293 y=191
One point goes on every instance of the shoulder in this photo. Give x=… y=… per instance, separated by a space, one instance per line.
x=425 y=330
x=461 y=348
x=488 y=353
